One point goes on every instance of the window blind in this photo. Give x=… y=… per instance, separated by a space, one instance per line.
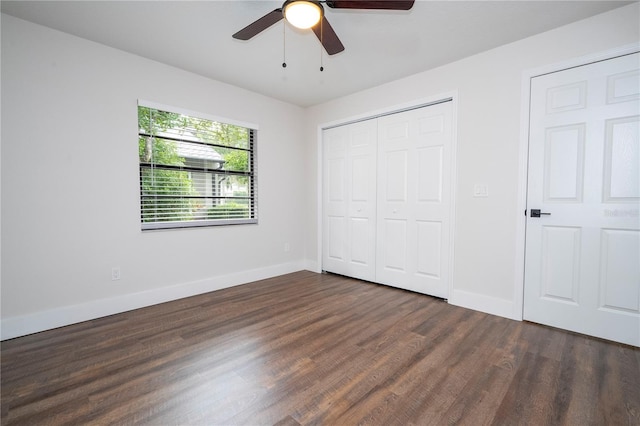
x=194 y=171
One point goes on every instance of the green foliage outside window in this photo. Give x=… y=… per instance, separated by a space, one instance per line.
x=158 y=181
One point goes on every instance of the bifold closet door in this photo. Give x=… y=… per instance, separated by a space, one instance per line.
x=414 y=198
x=349 y=200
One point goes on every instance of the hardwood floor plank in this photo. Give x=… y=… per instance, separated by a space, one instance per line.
x=613 y=381
x=311 y=349
x=532 y=390
x=287 y=421
x=468 y=358
x=480 y=398
x=368 y=384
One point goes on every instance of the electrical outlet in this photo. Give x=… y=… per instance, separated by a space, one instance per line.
x=287 y=247
x=115 y=273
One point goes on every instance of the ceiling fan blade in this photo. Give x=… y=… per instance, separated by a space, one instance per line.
x=371 y=4
x=260 y=25
x=328 y=37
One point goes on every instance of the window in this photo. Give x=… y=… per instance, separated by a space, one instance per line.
x=194 y=171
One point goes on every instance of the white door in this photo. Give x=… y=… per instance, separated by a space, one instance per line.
x=582 y=266
x=414 y=198
x=349 y=200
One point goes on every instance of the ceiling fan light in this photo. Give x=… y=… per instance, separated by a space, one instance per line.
x=302 y=14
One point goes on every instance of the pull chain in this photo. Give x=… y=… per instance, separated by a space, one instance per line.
x=321 y=42
x=284 y=44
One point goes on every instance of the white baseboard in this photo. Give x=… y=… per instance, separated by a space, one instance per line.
x=66 y=315
x=311 y=265
x=483 y=303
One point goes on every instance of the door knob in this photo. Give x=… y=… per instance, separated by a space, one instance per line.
x=538 y=213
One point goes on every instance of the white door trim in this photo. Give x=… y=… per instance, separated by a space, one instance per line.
x=417 y=103
x=523 y=161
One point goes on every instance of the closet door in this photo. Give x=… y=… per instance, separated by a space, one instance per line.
x=349 y=200
x=414 y=197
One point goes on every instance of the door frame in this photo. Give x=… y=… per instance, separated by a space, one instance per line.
x=451 y=96
x=523 y=160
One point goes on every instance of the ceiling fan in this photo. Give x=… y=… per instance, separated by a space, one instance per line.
x=306 y=14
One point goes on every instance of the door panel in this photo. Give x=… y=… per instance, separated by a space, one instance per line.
x=336 y=231
x=359 y=246
x=582 y=268
x=560 y=263
x=430 y=174
x=619 y=289
x=564 y=159
x=414 y=149
x=428 y=249
x=395 y=235
x=622 y=160
x=349 y=200
x=360 y=172
x=395 y=176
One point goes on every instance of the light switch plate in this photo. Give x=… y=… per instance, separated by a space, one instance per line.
x=480 y=190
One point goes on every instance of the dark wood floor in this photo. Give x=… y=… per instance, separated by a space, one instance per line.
x=316 y=349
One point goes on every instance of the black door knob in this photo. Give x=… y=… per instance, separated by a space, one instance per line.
x=537 y=213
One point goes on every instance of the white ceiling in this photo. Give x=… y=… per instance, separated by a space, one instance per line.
x=380 y=46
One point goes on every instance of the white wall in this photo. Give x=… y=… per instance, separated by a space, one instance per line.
x=489 y=88
x=70 y=201
x=69 y=173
